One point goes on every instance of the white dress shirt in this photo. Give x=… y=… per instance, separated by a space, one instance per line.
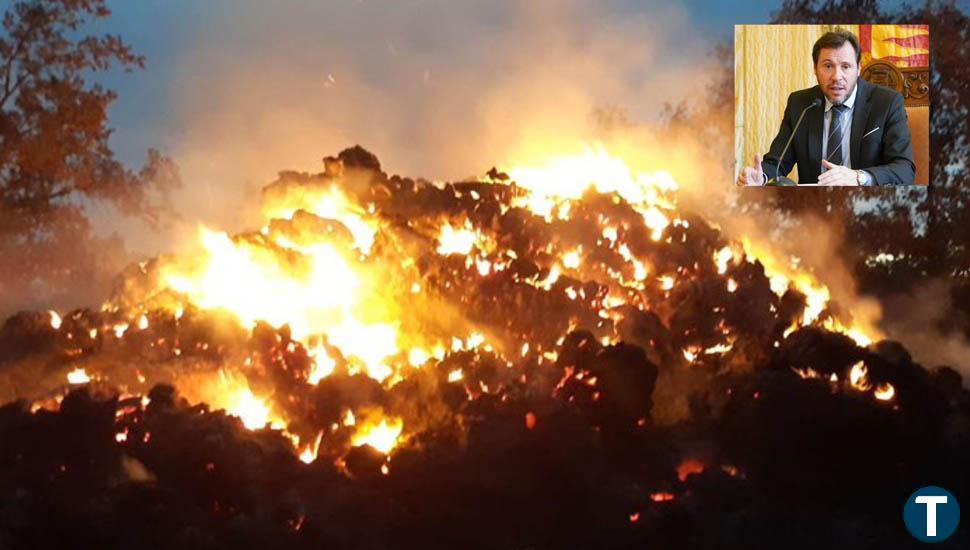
x=846 y=127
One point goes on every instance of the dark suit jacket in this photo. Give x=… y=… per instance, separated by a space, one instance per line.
x=886 y=153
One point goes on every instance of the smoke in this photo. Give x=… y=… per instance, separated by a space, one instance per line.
x=442 y=90
x=919 y=319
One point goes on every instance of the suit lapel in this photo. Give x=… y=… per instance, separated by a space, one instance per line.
x=813 y=119
x=860 y=115
x=814 y=122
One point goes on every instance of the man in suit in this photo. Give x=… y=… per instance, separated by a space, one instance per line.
x=855 y=134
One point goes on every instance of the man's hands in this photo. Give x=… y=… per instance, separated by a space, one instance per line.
x=834 y=174
x=752 y=176
x=837 y=175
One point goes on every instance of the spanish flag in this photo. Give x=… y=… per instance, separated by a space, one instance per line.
x=902 y=45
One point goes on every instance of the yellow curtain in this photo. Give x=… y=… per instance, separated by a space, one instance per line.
x=770 y=62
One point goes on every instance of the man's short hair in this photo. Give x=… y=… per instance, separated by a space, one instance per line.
x=835 y=40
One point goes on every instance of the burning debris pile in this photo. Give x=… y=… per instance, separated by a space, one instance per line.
x=552 y=357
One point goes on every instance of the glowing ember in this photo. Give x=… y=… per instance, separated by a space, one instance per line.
x=55 y=319
x=309 y=453
x=610 y=234
x=474 y=340
x=484 y=267
x=721 y=258
x=349 y=419
x=551 y=278
x=718 y=349
x=253 y=412
x=530 y=420
x=807 y=373
x=662 y=497
x=456 y=240
x=885 y=391
x=78 y=376
x=859 y=377
x=383 y=436
x=656 y=221
x=639 y=269
x=779 y=284
x=572 y=259
x=666 y=282
x=120 y=329
x=689 y=466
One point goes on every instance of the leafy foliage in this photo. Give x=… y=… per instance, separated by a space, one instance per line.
x=55 y=158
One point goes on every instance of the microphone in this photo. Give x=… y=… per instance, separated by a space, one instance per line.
x=788 y=181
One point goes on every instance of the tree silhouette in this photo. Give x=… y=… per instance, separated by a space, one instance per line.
x=55 y=159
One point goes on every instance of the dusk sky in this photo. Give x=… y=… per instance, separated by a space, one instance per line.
x=172 y=33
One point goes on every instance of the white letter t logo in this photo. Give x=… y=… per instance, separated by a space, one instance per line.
x=931 y=503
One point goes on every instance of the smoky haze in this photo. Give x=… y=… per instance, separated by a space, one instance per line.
x=441 y=90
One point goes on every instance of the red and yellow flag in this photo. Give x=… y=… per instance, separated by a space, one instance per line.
x=902 y=45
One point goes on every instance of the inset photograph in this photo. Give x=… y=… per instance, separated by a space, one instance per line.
x=831 y=105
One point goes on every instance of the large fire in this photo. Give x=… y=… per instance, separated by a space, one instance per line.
x=565 y=322
x=344 y=278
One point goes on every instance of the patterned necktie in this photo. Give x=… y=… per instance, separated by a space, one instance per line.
x=834 y=149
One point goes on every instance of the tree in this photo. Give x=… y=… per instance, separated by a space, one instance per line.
x=55 y=160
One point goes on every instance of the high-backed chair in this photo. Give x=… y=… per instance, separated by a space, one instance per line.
x=914 y=85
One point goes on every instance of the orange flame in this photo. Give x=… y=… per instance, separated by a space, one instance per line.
x=885 y=391
x=383 y=435
x=78 y=376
